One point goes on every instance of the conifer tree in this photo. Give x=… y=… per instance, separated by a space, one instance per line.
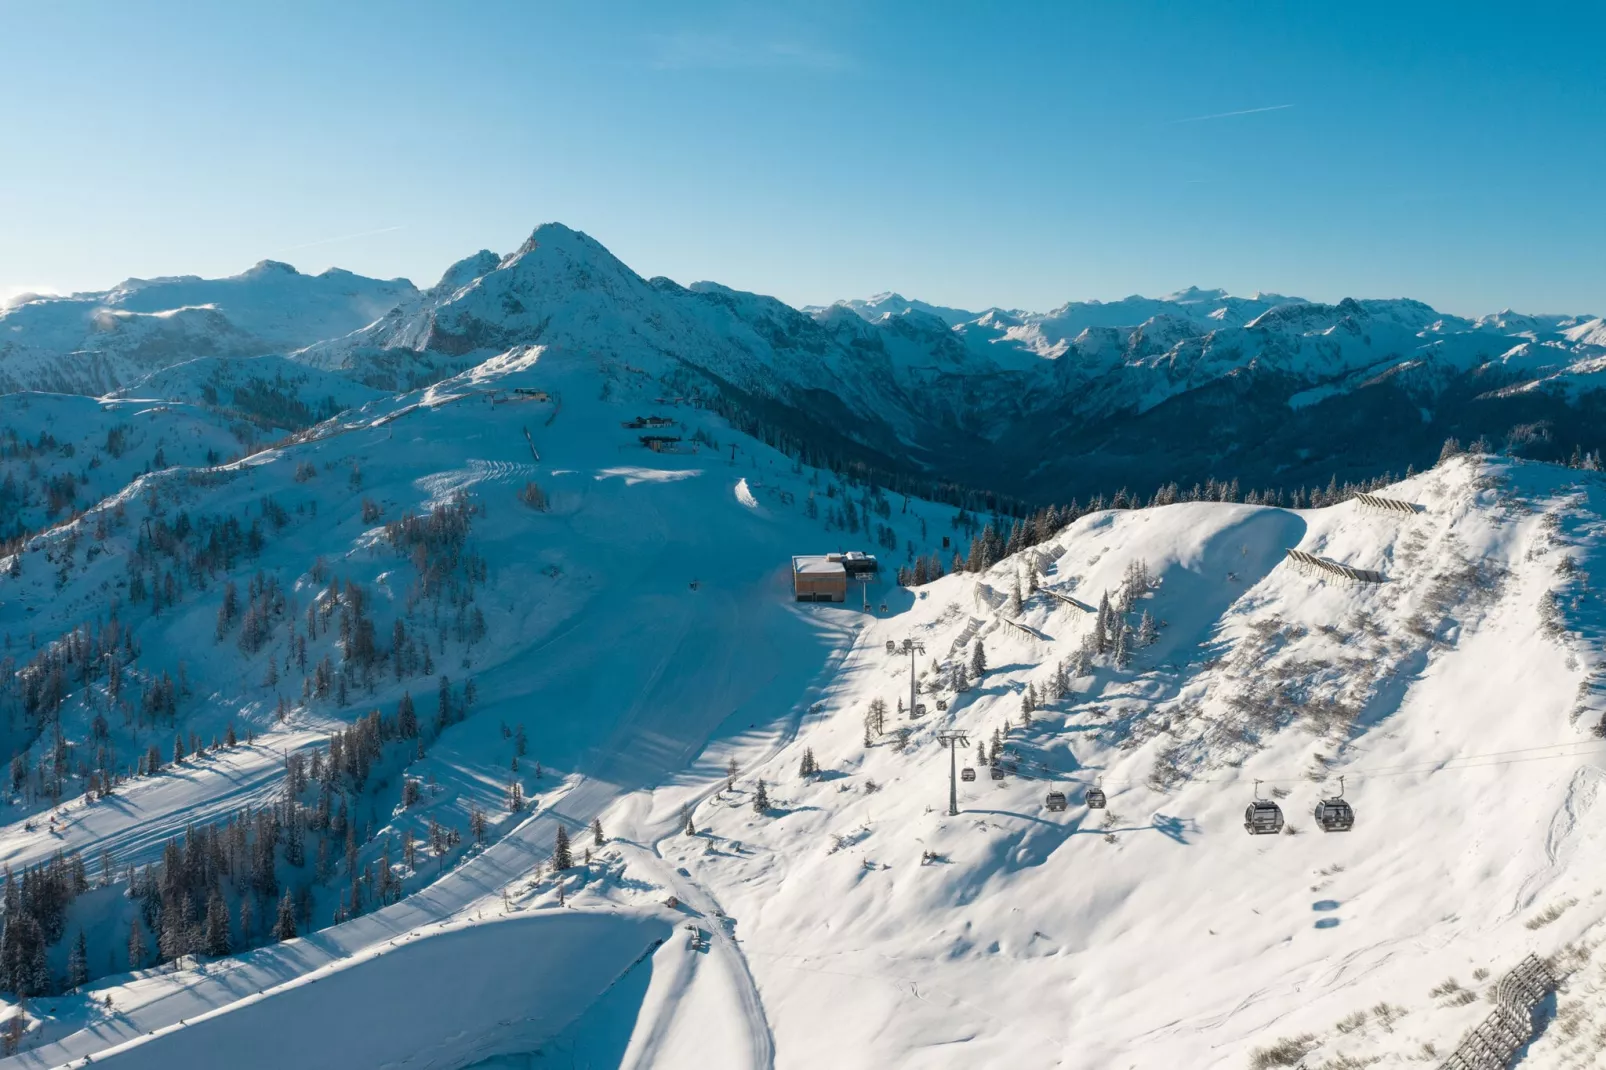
x=284 y=928
x=216 y=940
x=596 y=832
x=1102 y=625
x=515 y=797
x=248 y=917
x=761 y=799
x=978 y=661
x=731 y=769
x=809 y=766
x=1147 y=633
x=78 y=962
x=406 y=715
x=1123 y=645
x=562 y=858
x=136 y=946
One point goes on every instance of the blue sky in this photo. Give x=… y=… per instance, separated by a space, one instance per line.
x=1010 y=154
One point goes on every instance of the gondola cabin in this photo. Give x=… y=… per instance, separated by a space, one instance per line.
x=1094 y=798
x=1263 y=818
x=998 y=772
x=1335 y=815
x=967 y=773
x=1055 y=801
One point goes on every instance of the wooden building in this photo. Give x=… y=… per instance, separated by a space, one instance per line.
x=816 y=578
x=824 y=577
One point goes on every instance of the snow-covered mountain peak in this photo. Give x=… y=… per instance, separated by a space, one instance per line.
x=462 y=273
x=269 y=267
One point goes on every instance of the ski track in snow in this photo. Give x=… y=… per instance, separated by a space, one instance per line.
x=441 y=486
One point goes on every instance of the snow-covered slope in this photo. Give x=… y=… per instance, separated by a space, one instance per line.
x=625 y=618
x=1455 y=699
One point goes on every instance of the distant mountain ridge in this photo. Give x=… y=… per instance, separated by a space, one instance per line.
x=1091 y=395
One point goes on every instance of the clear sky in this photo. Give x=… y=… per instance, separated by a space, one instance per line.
x=965 y=153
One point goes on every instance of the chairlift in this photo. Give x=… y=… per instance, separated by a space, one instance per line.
x=967 y=774
x=1335 y=815
x=1055 y=801
x=998 y=772
x=1095 y=796
x=920 y=709
x=1262 y=817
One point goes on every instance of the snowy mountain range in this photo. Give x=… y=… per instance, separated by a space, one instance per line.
x=304 y=729
x=1079 y=400
x=399 y=677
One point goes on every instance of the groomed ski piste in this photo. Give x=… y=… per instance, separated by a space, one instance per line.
x=641 y=630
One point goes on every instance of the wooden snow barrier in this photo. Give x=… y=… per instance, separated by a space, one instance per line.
x=985 y=595
x=1068 y=600
x=1021 y=628
x=1491 y=1044
x=1046 y=556
x=1386 y=505
x=1310 y=563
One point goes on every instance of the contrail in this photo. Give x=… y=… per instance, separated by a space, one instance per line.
x=343 y=237
x=1230 y=114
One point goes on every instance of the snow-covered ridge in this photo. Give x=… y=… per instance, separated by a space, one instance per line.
x=92 y=342
x=916 y=384
x=629 y=631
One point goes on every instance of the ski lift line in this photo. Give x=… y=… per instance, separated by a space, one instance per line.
x=1430 y=767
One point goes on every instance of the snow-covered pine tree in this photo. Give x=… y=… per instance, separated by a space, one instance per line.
x=78 y=962
x=761 y=799
x=1123 y=644
x=731 y=769
x=1147 y=633
x=136 y=945
x=1013 y=605
x=284 y=927
x=596 y=832
x=978 y=660
x=216 y=939
x=562 y=857
x=1101 y=625
x=809 y=766
x=406 y=715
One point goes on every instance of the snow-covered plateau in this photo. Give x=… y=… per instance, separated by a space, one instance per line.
x=423 y=686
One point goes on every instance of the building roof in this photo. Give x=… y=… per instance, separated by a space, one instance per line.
x=817 y=565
